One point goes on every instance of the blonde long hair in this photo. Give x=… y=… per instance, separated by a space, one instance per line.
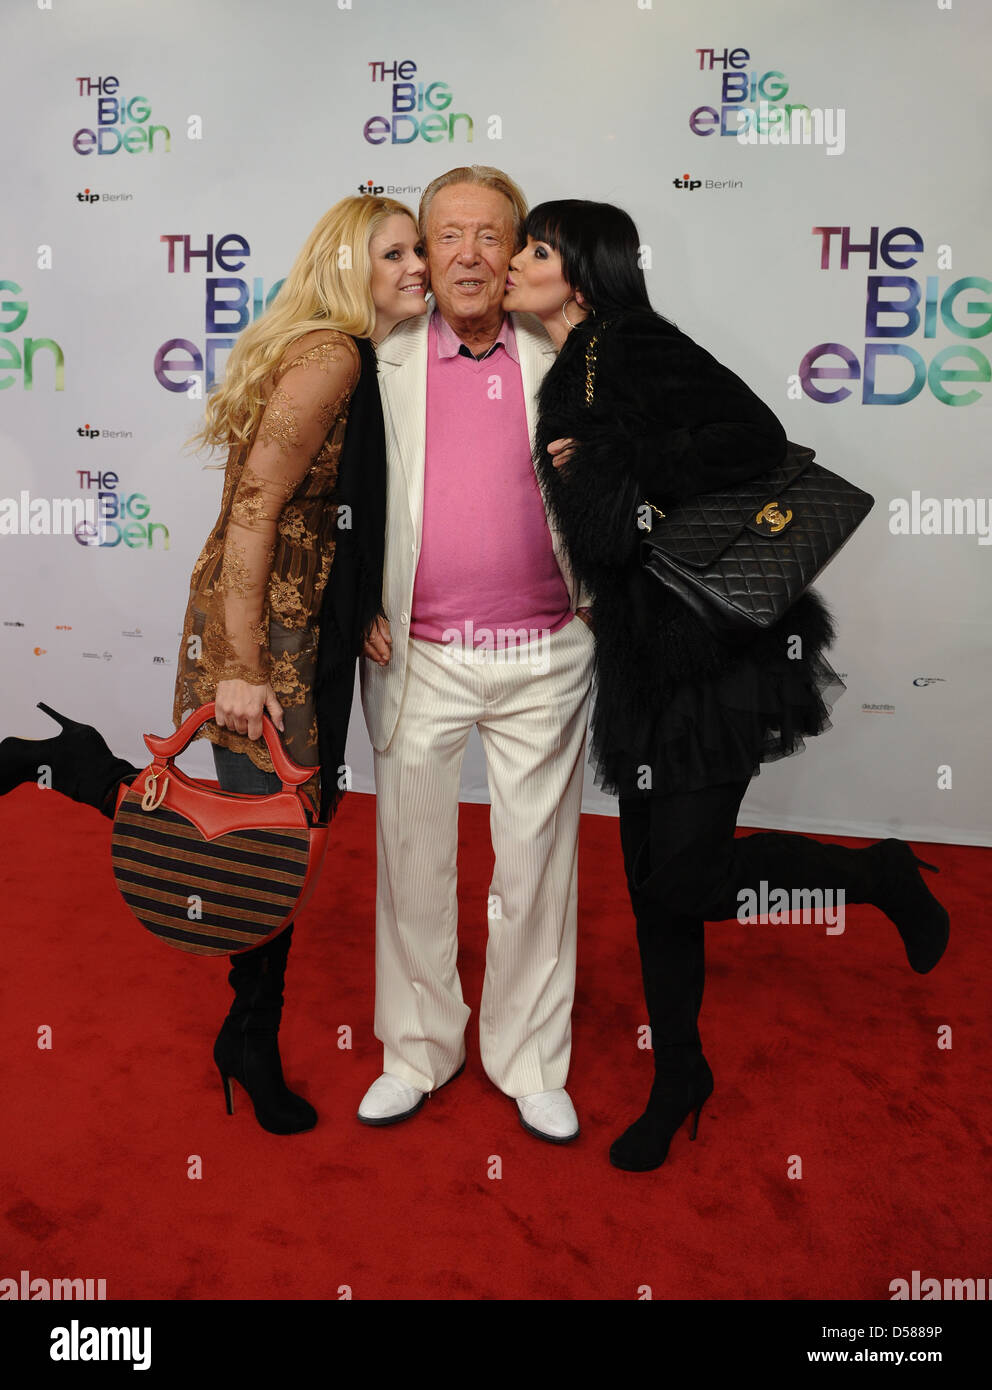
x=327 y=287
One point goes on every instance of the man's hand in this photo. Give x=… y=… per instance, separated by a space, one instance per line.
x=561 y=450
x=239 y=706
x=379 y=644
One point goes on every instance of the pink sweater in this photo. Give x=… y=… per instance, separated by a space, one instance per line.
x=486 y=557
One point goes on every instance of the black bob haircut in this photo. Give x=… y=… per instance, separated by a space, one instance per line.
x=599 y=249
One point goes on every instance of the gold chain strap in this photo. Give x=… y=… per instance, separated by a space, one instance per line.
x=590 y=387
x=590 y=368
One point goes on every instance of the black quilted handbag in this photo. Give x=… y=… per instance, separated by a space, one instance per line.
x=741 y=558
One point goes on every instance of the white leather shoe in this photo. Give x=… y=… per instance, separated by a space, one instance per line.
x=549 y=1115
x=389 y=1100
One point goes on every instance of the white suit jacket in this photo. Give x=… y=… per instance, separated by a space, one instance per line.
x=403 y=387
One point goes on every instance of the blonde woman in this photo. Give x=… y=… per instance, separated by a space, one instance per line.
x=288 y=581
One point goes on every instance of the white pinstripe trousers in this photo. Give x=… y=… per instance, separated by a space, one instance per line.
x=532 y=724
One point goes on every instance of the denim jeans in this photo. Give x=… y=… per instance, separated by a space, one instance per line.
x=237 y=773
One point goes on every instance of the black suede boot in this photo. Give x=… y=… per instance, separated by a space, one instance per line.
x=886 y=875
x=672 y=968
x=82 y=766
x=247 y=1048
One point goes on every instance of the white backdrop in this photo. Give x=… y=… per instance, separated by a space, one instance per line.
x=261 y=114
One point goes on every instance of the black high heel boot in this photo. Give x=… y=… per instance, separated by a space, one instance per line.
x=900 y=891
x=82 y=766
x=886 y=874
x=682 y=1085
x=673 y=971
x=247 y=1048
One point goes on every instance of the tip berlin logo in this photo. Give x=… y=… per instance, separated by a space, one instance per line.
x=89 y=196
x=376 y=190
x=689 y=184
x=85 y=432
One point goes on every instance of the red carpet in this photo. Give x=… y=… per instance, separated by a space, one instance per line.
x=822 y=1047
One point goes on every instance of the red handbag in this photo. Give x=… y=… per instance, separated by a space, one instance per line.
x=213 y=872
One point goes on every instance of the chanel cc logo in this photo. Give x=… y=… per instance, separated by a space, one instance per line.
x=775 y=519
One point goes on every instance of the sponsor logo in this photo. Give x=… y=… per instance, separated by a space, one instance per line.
x=122 y=122
x=690 y=185
x=231 y=303
x=900 y=306
x=417 y=110
x=88 y=195
x=929 y=680
x=120 y=516
x=19 y=356
x=752 y=106
x=91 y=432
x=878 y=709
x=391 y=190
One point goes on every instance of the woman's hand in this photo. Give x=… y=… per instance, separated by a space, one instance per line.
x=379 y=644
x=561 y=451
x=239 y=706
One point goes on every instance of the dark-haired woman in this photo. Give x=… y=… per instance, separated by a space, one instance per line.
x=634 y=415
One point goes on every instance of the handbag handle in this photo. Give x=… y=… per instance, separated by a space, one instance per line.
x=290 y=773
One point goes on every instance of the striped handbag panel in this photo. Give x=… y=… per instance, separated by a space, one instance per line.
x=210 y=897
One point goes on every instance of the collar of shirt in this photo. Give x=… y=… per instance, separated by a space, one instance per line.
x=450 y=345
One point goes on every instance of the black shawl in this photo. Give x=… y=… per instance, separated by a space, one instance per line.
x=353 y=595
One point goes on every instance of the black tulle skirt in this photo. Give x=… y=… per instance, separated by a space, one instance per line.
x=719 y=729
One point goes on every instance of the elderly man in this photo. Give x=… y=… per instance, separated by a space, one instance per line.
x=480 y=632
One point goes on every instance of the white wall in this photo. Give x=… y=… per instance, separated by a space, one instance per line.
x=586 y=99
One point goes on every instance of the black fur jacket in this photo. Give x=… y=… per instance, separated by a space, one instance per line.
x=667 y=422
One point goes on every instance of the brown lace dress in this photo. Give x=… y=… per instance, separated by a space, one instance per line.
x=256 y=589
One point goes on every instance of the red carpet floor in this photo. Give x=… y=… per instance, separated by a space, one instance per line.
x=825 y=1048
